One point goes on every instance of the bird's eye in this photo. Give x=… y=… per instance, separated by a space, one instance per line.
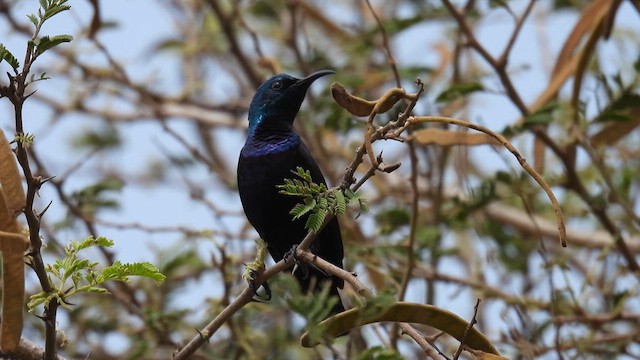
x=276 y=85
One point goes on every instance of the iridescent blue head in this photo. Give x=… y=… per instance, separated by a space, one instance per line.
x=278 y=100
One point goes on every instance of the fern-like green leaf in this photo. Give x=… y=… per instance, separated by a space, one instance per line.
x=121 y=272
x=75 y=246
x=54 y=8
x=315 y=220
x=303 y=174
x=47 y=42
x=303 y=208
x=34 y=19
x=7 y=56
x=341 y=203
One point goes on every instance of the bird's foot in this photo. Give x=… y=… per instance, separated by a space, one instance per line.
x=253 y=269
x=291 y=256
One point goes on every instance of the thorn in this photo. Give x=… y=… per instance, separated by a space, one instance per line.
x=31 y=93
x=42 y=181
x=45 y=210
x=202 y=335
x=37 y=182
x=388 y=168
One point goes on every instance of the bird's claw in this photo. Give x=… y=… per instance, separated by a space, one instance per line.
x=266 y=297
x=291 y=256
x=253 y=269
x=250 y=276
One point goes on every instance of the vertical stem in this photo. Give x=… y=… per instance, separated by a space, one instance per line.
x=17 y=97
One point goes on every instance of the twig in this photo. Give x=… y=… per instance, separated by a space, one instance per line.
x=245 y=297
x=466 y=331
x=562 y=232
x=386 y=44
x=421 y=340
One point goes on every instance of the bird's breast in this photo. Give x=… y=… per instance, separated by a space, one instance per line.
x=269 y=144
x=258 y=177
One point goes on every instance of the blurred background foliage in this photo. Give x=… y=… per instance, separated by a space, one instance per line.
x=143 y=139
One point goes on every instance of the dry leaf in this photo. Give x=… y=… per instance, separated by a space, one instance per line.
x=566 y=62
x=612 y=133
x=452 y=137
x=406 y=312
x=591 y=16
x=10 y=180
x=12 y=245
x=353 y=104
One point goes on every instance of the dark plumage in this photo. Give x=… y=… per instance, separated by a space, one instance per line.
x=271 y=152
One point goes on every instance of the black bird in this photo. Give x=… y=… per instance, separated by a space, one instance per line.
x=272 y=150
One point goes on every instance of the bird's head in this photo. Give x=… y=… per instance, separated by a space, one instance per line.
x=279 y=98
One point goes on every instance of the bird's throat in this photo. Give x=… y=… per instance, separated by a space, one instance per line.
x=262 y=143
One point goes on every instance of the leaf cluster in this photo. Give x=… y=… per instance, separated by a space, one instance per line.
x=318 y=201
x=39 y=45
x=73 y=275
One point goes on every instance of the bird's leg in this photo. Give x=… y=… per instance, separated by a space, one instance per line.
x=291 y=256
x=253 y=269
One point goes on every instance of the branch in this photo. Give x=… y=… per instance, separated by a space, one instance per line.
x=562 y=232
x=245 y=297
x=27 y=350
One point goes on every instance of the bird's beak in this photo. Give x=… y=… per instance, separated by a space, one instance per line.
x=306 y=82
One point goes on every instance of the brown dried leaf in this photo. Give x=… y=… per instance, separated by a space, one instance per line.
x=10 y=180
x=362 y=107
x=12 y=300
x=612 y=133
x=12 y=245
x=452 y=137
x=353 y=104
x=567 y=60
x=430 y=315
x=591 y=16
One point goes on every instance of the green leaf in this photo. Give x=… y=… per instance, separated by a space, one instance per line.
x=7 y=56
x=45 y=43
x=315 y=220
x=541 y=117
x=34 y=19
x=341 y=203
x=458 y=90
x=619 y=108
x=101 y=138
x=303 y=208
x=304 y=174
x=121 y=272
x=75 y=246
x=53 y=9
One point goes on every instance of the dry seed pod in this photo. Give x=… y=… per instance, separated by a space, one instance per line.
x=353 y=104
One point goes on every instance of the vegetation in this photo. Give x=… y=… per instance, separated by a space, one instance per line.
x=465 y=143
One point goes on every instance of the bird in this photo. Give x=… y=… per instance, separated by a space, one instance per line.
x=272 y=151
